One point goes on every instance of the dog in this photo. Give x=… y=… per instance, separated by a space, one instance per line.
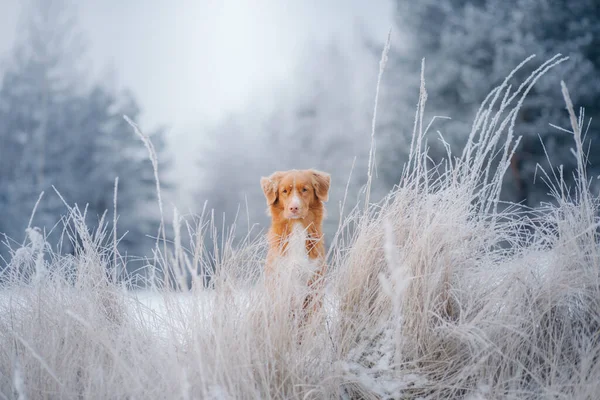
x=295 y=201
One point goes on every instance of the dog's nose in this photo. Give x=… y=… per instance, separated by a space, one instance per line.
x=294 y=209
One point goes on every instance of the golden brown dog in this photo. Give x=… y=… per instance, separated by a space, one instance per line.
x=295 y=199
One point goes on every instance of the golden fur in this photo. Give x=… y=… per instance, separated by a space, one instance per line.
x=296 y=197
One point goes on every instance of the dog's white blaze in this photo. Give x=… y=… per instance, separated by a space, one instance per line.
x=295 y=202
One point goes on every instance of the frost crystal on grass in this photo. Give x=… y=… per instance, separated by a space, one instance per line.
x=433 y=293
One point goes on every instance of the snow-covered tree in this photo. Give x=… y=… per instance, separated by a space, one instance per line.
x=59 y=129
x=470 y=47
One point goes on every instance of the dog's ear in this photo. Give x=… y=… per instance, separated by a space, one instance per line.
x=269 y=186
x=321 y=181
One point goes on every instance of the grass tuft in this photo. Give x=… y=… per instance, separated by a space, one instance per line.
x=435 y=292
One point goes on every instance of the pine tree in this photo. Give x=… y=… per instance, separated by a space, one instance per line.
x=470 y=47
x=61 y=130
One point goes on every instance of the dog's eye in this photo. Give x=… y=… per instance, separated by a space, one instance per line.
x=305 y=190
x=284 y=190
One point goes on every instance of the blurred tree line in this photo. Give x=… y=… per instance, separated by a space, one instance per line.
x=470 y=47
x=324 y=119
x=60 y=129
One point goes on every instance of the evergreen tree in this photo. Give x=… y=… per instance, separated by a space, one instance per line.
x=60 y=129
x=470 y=47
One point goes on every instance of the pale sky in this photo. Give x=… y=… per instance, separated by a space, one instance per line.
x=190 y=62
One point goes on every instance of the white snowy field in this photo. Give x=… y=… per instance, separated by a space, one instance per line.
x=439 y=292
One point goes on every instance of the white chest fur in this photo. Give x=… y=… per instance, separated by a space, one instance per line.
x=296 y=248
x=296 y=257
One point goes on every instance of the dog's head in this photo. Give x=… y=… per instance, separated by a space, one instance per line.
x=295 y=192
